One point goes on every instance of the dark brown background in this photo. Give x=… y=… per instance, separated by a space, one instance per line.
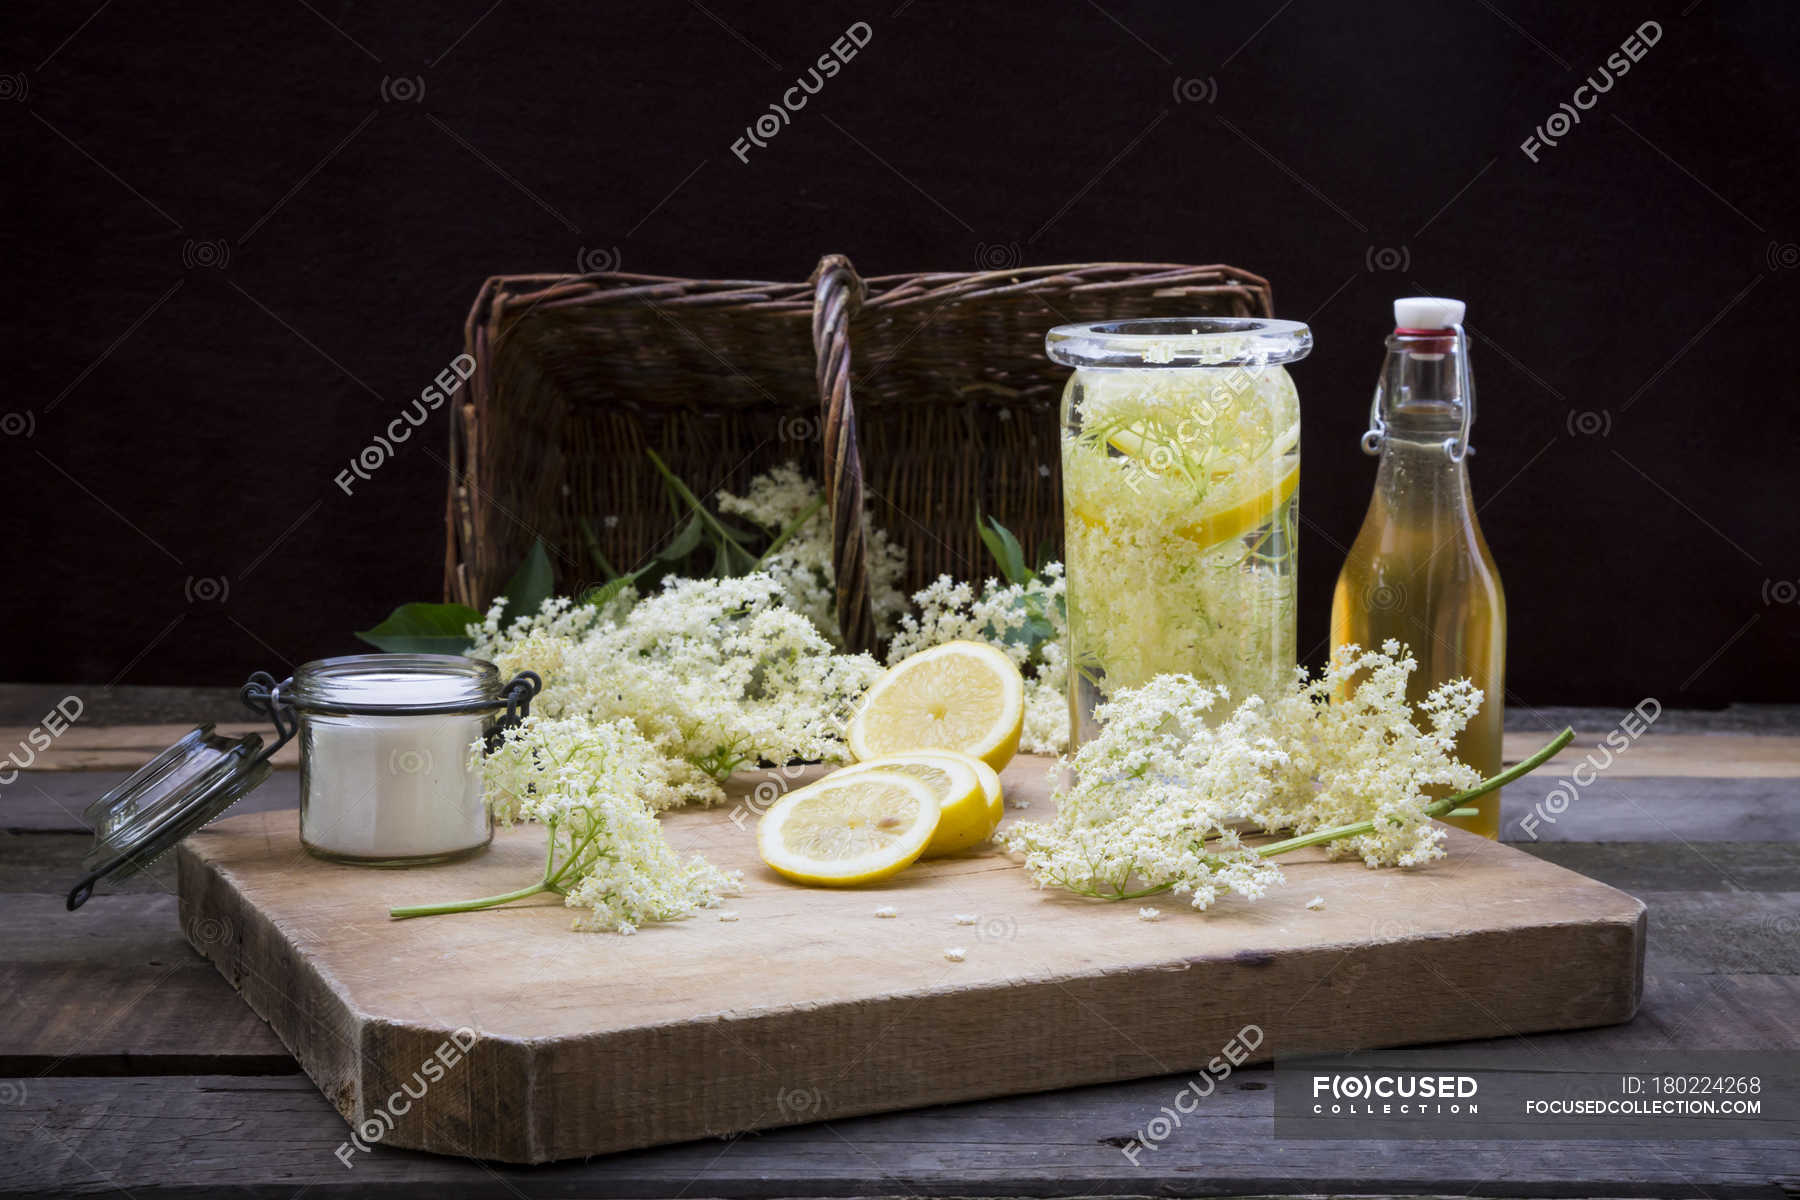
x=172 y=426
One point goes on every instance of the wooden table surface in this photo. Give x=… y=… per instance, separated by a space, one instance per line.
x=127 y=1064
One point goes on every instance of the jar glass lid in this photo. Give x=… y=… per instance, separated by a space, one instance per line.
x=169 y=797
x=396 y=685
x=1165 y=342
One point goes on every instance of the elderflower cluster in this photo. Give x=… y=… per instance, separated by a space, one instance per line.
x=714 y=673
x=591 y=785
x=1025 y=620
x=1157 y=800
x=802 y=565
x=1358 y=755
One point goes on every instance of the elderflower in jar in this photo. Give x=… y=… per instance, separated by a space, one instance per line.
x=1181 y=471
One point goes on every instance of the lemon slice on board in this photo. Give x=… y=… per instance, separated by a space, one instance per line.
x=962 y=696
x=843 y=831
x=990 y=785
x=955 y=780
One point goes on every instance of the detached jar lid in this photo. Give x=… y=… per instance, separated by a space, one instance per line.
x=167 y=798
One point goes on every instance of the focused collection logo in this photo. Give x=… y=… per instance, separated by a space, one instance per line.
x=1344 y=1094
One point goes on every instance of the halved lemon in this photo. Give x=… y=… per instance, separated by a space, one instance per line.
x=954 y=779
x=962 y=696
x=847 y=830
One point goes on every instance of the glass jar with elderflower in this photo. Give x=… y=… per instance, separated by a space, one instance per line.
x=1181 y=472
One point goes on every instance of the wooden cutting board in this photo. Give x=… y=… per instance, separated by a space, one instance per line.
x=808 y=1006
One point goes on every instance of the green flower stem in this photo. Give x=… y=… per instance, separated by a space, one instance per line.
x=453 y=906
x=551 y=882
x=1437 y=808
x=781 y=539
x=681 y=489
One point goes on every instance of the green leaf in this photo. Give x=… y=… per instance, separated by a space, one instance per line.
x=1005 y=548
x=532 y=584
x=685 y=541
x=424 y=629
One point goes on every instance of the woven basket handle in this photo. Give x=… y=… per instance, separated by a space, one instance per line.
x=837 y=293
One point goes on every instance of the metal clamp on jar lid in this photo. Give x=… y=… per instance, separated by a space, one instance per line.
x=197 y=779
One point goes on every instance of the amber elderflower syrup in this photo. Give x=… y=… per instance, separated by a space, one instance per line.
x=1420 y=571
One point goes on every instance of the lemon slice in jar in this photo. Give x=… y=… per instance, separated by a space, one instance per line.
x=963 y=805
x=1232 y=518
x=1237 y=518
x=844 y=831
x=961 y=696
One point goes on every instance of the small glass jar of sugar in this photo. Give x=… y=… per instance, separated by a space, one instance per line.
x=390 y=765
x=390 y=755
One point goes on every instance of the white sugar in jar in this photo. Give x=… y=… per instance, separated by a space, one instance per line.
x=390 y=771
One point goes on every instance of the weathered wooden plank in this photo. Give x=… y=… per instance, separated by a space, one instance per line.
x=1659 y=754
x=1638 y=867
x=133 y=929
x=87 y=1018
x=1727 y=932
x=52 y=801
x=274 y=1136
x=1734 y=718
x=50 y=861
x=1652 y=810
x=86 y=747
x=132 y=704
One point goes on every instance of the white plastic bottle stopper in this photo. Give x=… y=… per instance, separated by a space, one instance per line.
x=1427 y=312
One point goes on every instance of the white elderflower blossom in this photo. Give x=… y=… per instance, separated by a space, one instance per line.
x=1025 y=620
x=802 y=565
x=715 y=673
x=1158 y=800
x=1358 y=755
x=1155 y=801
x=590 y=786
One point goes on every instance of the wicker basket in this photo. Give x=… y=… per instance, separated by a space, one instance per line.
x=955 y=408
